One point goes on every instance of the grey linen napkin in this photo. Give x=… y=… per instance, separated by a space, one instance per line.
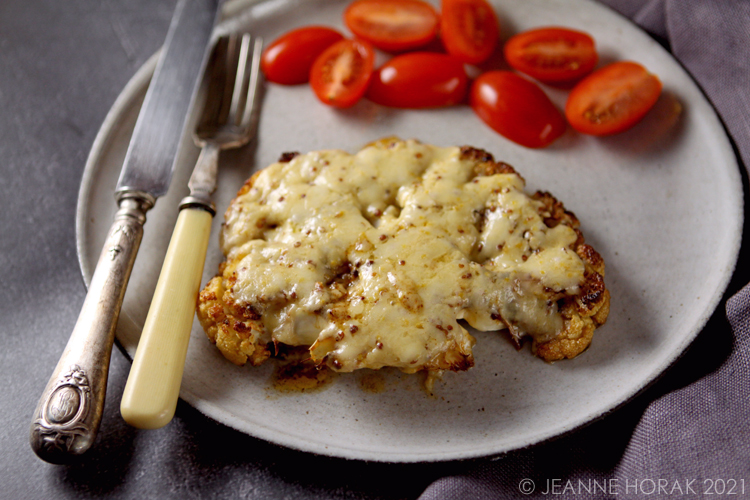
x=688 y=436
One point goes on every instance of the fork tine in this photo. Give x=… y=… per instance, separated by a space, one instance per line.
x=238 y=93
x=227 y=76
x=216 y=107
x=231 y=73
x=252 y=90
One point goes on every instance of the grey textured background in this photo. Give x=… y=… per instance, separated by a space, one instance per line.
x=62 y=64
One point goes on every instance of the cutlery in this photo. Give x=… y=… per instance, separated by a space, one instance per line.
x=69 y=411
x=228 y=120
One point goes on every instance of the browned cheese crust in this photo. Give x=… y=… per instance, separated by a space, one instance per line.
x=240 y=334
x=583 y=313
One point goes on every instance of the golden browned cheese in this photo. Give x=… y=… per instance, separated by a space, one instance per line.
x=382 y=257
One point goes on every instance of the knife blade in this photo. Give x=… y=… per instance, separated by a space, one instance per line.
x=69 y=411
x=150 y=158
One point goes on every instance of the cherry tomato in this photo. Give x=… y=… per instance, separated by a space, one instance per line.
x=340 y=75
x=516 y=108
x=289 y=58
x=558 y=56
x=393 y=25
x=419 y=80
x=612 y=99
x=469 y=29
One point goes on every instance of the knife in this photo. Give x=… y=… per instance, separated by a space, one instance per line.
x=69 y=411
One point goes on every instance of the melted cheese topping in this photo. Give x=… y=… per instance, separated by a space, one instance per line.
x=372 y=258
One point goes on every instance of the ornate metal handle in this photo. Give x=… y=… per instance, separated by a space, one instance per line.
x=68 y=414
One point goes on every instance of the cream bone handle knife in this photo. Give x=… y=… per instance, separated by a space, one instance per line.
x=67 y=417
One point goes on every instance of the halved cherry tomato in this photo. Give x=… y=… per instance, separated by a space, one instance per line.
x=393 y=25
x=340 y=75
x=419 y=80
x=558 y=56
x=612 y=99
x=289 y=58
x=516 y=108
x=469 y=29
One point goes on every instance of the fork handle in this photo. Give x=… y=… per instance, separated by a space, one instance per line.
x=69 y=411
x=153 y=385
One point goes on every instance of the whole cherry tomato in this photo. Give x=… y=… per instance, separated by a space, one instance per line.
x=469 y=29
x=558 y=56
x=289 y=58
x=419 y=80
x=612 y=99
x=393 y=25
x=340 y=75
x=516 y=108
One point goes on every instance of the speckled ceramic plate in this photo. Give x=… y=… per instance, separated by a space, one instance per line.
x=661 y=202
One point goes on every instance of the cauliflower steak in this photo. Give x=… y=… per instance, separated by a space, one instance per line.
x=382 y=257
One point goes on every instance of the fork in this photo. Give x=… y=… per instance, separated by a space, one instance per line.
x=228 y=120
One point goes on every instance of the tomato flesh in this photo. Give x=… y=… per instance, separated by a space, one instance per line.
x=340 y=75
x=557 y=56
x=516 y=108
x=612 y=99
x=288 y=59
x=419 y=80
x=469 y=29
x=393 y=25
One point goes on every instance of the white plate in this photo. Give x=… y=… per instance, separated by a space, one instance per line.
x=662 y=203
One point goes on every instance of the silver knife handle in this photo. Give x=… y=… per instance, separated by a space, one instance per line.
x=68 y=414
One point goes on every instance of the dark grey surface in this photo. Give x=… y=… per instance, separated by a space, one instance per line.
x=62 y=64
